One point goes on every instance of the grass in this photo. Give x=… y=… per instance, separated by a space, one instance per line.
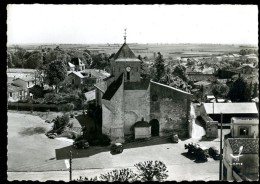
x=33 y=130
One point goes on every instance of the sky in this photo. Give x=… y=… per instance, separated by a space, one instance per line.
x=90 y=24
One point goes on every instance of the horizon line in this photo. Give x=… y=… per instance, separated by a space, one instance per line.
x=161 y=43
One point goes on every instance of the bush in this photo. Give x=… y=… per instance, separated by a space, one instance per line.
x=67 y=107
x=149 y=171
x=60 y=122
x=119 y=175
x=52 y=98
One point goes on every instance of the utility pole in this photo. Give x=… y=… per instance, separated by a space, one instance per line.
x=221 y=150
x=70 y=166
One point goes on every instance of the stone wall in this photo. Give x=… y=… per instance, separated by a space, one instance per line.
x=113 y=116
x=171 y=107
x=137 y=106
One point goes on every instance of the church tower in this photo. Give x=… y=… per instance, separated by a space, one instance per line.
x=125 y=61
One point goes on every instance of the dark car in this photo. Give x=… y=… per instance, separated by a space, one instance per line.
x=81 y=144
x=117 y=148
x=214 y=152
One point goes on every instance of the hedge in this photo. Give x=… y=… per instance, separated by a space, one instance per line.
x=34 y=107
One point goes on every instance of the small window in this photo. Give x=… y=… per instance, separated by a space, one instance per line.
x=73 y=81
x=28 y=84
x=128 y=76
x=21 y=92
x=244 y=131
x=11 y=94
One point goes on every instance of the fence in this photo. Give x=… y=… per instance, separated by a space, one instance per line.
x=34 y=107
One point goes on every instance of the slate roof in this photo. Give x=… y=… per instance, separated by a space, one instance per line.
x=125 y=54
x=231 y=108
x=113 y=87
x=250 y=145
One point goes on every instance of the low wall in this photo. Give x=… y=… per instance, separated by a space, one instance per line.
x=34 y=107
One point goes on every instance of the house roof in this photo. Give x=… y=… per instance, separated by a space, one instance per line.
x=77 y=74
x=250 y=145
x=197 y=76
x=125 y=54
x=76 y=61
x=20 y=70
x=202 y=83
x=25 y=78
x=231 y=108
x=70 y=64
x=13 y=88
x=142 y=123
x=113 y=87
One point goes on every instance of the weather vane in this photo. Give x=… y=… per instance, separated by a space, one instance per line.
x=125 y=36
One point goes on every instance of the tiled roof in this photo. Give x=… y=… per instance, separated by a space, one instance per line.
x=250 y=145
x=124 y=52
x=231 y=108
x=112 y=89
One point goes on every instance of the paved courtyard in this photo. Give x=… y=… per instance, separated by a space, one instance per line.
x=30 y=152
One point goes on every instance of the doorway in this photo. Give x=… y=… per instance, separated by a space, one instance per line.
x=155 y=127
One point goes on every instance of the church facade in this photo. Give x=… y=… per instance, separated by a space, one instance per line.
x=126 y=98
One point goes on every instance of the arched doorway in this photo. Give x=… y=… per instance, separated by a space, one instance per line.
x=155 y=127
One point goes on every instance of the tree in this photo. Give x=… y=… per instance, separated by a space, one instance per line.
x=56 y=72
x=123 y=175
x=34 y=60
x=219 y=90
x=158 y=68
x=179 y=71
x=149 y=171
x=239 y=91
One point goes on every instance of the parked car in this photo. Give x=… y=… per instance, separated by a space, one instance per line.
x=175 y=138
x=81 y=144
x=117 y=148
x=214 y=152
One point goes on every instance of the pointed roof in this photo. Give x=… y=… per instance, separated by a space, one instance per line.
x=125 y=53
x=112 y=89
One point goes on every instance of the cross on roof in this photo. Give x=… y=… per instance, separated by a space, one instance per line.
x=125 y=36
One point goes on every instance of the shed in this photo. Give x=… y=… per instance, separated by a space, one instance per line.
x=142 y=129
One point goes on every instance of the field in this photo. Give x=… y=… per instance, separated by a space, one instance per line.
x=173 y=50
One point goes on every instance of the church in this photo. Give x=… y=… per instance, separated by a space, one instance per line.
x=126 y=98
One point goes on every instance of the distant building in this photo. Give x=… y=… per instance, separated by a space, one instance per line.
x=79 y=65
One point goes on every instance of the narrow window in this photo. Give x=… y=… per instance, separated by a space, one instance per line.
x=244 y=131
x=128 y=75
x=28 y=84
x=11 y=94
x=73 y=81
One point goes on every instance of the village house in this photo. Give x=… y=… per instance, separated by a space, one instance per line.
x=78 y=64
x=15 y=93
x=243 y=138
x=125 y=99
x=70 y=67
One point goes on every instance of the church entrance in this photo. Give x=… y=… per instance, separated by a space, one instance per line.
x=155 y=127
